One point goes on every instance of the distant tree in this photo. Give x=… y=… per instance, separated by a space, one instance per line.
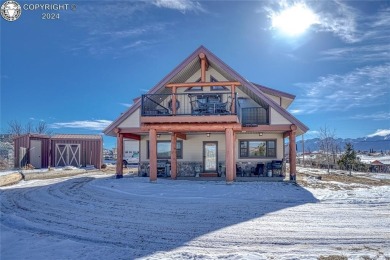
x=327 y=145
x=42 y=128
x=349 y=158
x=15 y=128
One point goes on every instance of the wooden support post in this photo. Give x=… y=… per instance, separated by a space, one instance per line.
x=234 y=156
x=229 y=157
x=202 y=57
x=153 y=155
x=119 y=155
x=173 y=156
x=293 y=153
x=173 y=100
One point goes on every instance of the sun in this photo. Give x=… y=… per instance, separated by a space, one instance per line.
x=294 y=20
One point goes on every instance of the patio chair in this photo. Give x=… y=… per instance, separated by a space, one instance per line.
x=277 y=166
x=239 y=171
x=259 y=171
x=198 y=108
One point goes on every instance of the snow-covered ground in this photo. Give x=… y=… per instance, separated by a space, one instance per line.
x=99 y=217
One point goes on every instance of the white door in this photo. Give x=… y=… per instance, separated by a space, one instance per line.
x=36 y=153
x=74 y=155
x=61 y=155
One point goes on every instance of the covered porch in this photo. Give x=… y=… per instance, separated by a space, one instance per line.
x=228 y=166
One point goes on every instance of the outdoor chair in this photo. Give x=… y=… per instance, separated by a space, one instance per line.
x=198 y=108
x=277 y=166
x=259 y=171
x=239 y=171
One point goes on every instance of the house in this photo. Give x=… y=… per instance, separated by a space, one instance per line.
x=204 y=118
x=42 y=151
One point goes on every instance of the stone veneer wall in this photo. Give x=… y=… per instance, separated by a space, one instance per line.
x=189 y=169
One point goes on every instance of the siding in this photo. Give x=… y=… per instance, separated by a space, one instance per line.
x=278 y=119
x=91 y=151
x=24 y=141
x=132 y=121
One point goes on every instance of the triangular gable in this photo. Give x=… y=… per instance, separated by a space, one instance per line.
x=213 y=59
x=110 y=129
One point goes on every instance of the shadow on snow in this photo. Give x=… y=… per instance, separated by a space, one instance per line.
x=132 y=217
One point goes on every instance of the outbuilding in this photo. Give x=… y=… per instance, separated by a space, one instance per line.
x=32 y=149
x=59 y=150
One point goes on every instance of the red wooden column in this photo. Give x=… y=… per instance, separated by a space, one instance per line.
x=153 y=155
x=173 y=156
x=119 y=154
x=229 y=156
x=234 y=156
x=203 y=66
x=293 y=153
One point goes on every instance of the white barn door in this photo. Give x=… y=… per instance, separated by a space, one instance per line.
x=67 y=154
x=61 y=155
x=74 y=155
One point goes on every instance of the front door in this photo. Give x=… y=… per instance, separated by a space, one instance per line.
x=210 y=156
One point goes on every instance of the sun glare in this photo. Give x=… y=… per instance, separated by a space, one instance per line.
x=294 y=20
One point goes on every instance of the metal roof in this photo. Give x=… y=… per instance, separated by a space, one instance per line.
x=76 y=136
x=32 y=135
x=274 y=92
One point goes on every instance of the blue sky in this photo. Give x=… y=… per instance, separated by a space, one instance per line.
x=78 y=73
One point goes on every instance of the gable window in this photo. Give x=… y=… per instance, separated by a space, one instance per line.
x=194 y=88
x=257 y=148
x=164 y=149
x=215 y=88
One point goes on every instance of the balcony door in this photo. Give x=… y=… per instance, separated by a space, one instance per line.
x=210 y=156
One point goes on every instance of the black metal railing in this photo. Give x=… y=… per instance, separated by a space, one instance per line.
x=254 y=116
x=189 y=104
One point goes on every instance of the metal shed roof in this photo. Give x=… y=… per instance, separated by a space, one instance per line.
x=76 y=136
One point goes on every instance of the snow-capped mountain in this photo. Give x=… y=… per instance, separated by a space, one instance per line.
x=376 y=143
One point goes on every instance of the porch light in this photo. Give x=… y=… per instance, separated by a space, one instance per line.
x=158 y=135
x=261 y=134
x=208 y=134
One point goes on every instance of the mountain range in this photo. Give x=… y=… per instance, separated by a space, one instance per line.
x=373 y=144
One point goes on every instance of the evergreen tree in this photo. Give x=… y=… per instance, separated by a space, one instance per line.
x=349 y=158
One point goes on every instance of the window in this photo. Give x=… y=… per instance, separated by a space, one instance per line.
x=257 y=148
x=212 y=79
x=194 y=88
x=164 y=149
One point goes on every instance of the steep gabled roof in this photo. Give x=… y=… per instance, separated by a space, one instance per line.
x=222 y=67
x=273 y=92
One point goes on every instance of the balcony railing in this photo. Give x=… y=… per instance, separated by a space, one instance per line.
x=189 y=104
x=254 y=116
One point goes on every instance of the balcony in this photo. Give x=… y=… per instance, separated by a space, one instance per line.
x=194 y=104
x=208 y=107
